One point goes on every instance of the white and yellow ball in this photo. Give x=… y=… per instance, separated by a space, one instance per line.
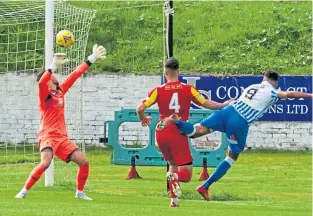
x=65 y=38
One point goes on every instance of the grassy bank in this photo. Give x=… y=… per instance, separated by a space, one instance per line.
x=209 y=37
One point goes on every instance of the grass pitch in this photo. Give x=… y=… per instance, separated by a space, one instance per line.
x=260 y=183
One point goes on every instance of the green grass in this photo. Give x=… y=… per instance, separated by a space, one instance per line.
x=18 y=153
x=260 y=183
x=210 y=37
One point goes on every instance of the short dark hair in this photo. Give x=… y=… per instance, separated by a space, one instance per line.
x=171 y=64
x=272 y=75
x=39 y=75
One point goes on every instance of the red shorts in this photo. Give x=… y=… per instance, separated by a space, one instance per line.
x=173 y=145
x=61 y=146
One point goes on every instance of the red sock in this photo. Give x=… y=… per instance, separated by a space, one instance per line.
x=170 y=183
x=82 y=176
x=34 y=176
x=172 y=195
x=184 y=175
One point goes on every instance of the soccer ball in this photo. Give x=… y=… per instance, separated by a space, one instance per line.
x=65 y=38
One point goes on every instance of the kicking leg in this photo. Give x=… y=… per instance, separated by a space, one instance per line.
x=214 y=122
x=192 y=131
x=45 y=160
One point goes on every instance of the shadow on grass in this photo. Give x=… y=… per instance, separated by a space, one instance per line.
x=214 y=197
x=304 y=151
x=65 y=185
x=19 y=161
x=223 y=196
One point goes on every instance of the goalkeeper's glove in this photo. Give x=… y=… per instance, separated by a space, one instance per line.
x=98 y=52
x=58 y=60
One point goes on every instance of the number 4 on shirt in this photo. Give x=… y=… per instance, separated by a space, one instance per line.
x=174 y=105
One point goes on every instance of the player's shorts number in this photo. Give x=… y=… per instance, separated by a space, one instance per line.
x=174 y=103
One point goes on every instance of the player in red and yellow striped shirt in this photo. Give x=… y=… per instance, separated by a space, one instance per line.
x=174 y=97
x=53 y=138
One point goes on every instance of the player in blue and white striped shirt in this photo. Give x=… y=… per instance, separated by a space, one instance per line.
x=234 y=120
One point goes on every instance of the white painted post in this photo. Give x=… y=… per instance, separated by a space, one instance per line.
x=49 y=44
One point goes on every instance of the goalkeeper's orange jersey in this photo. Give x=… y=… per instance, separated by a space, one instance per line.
x=51 y=102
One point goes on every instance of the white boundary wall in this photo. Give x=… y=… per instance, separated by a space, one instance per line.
x=103 y=94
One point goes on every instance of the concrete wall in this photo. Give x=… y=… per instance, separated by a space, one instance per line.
x=102 y=95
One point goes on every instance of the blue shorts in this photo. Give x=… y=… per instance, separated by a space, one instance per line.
x=229 y=121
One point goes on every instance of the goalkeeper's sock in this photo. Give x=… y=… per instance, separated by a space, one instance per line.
x=184 y=175
x=175 y=201
x=22 y=194
x=82 y=176
x=34 y=176
x=24 y=190
x=185 y=128
x=220 y=171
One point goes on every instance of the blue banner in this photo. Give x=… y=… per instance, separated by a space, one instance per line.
x=223 y=88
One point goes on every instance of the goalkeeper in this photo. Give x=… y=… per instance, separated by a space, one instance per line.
x=52 y=137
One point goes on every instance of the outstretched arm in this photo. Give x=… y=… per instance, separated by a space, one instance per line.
x=99 y=52
x=293 y=94
x=209 y=104
x=213 y=105
x=71 y=79
x=43 y=90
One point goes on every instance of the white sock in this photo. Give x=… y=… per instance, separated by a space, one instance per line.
x=230 y=160
x=24 y=190
x=175 y=200
x=78 y=191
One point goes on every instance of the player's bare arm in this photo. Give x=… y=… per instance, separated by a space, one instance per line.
x=213 y=105
x=145 y=120
x=147 y=102
x=208 y=104
x=293 y=94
